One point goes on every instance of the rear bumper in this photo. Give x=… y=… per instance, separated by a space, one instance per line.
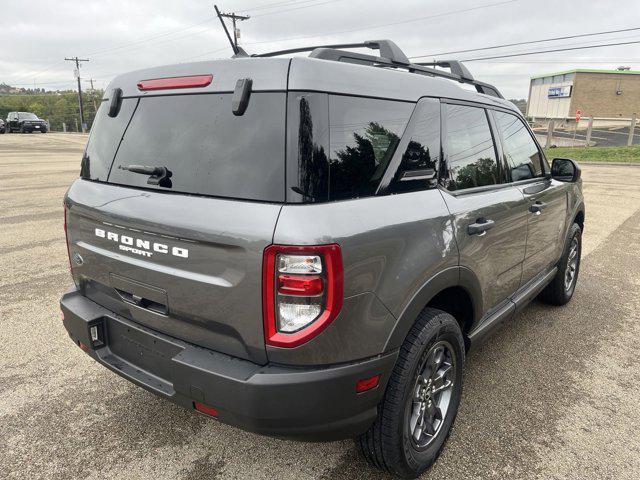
x=285 y=401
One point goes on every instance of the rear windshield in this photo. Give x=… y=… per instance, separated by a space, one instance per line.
x=207 y=149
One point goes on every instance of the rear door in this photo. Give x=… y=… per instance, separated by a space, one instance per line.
x=182 y=257
x=490 y=215
x=546 y=198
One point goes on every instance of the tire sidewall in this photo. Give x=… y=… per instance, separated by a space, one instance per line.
x=575 y=232
x=447 y=329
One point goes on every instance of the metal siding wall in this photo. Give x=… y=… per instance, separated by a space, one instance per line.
x=541 y=106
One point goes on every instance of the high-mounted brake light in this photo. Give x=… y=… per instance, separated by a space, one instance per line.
x=193 y=81
x=302 y=292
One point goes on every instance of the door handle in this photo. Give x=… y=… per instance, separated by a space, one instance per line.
x=537 y=207
x=480 y=227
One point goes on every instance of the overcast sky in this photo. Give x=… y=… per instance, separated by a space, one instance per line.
x=120 y=35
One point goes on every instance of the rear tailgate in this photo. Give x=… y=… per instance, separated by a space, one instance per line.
x=184 y=257
x=194 y=262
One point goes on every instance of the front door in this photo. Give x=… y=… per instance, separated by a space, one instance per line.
x=546 y=199
x=490 y=215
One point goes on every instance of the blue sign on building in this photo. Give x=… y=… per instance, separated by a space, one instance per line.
x=560 y=92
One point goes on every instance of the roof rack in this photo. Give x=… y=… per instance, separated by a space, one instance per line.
x=391 y=57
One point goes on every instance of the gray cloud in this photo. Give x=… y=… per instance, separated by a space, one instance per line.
x=122 y=35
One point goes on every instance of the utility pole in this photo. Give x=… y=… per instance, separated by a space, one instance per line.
x=77 y=72
x=234 y=18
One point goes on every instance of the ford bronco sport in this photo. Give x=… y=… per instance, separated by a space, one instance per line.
x=307 y=247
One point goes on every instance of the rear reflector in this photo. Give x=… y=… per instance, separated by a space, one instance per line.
x=84 y=347
x=193 y=81
x=206 y=409
x=367 y=384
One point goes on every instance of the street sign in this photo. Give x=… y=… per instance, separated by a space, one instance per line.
x=578 y=115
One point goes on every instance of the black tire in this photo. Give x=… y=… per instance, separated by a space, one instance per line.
x=390 y=443
x=560 y=290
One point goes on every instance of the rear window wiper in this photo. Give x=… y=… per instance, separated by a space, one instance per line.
x=157 y=175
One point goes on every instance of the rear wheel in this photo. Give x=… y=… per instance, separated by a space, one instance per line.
x=422 y=398
x=561 y=288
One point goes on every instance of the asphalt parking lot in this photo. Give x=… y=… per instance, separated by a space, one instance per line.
x=552 y=395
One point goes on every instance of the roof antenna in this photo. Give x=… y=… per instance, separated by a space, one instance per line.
x=237 y=51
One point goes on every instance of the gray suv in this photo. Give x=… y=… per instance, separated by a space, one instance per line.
x=307 y=247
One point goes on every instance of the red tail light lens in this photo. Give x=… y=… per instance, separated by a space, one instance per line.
x=302 y=292
x=299 y=285
x=206 y=409
x=193 y=81
x=367 y=384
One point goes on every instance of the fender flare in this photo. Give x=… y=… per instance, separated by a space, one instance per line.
x=450 y=277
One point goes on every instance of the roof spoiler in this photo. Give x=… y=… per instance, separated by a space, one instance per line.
x=391 y=56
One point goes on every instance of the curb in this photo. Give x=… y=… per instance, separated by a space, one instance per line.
x=612 y=164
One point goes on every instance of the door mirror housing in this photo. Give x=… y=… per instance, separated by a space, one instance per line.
x=565 y=170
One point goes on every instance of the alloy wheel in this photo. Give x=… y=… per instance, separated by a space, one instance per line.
x=432 y=394
x=572 y=265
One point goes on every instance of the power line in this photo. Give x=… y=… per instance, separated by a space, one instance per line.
x=551 y=51
x=295 y=8
x=382 y=25
x=277 y=4
x=149 y=38
x=528 y=42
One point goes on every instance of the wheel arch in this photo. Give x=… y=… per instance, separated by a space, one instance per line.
x=455 y=290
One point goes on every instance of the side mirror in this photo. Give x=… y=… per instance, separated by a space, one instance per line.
x=15 y=119
x=565 y=170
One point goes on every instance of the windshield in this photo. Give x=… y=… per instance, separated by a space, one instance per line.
x=27 y=116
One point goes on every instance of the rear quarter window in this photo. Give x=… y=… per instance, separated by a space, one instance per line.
x=364 y=134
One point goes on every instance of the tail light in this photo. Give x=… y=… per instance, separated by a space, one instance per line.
x=302 y=292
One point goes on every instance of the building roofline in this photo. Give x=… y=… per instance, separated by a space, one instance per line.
x=588 y=70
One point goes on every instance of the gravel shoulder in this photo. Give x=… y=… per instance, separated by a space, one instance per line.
x=552 y=395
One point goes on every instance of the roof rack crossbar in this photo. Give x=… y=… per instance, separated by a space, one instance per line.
x=391 y=57
x=387 y=48
x=456 y=67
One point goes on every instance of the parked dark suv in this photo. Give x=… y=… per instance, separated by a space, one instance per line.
x=25 y=122
x=308 y=247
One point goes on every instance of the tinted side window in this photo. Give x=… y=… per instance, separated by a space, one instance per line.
x=106 y=133
x=422 y=156
x=307 y=147
x=471 y=155
x=364 y=134
x=520 y=151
